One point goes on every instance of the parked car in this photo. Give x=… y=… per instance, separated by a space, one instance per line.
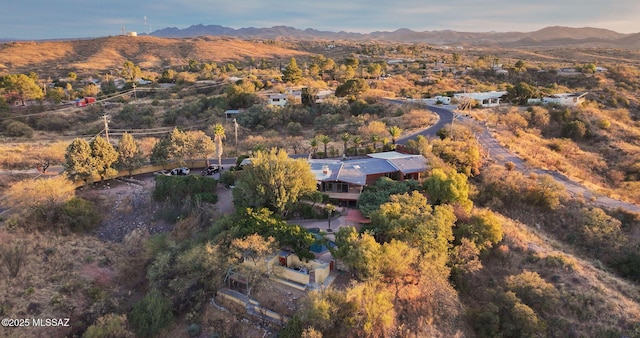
x=180 y=171
x=163 y=172
x=210 y=170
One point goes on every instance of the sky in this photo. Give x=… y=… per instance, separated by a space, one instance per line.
x=64 y=19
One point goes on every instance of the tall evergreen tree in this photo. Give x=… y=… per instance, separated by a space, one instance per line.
x=292 y=73
x=79 y=163
x=129 y=155
x=104 y=156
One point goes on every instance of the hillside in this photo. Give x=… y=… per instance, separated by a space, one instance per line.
x=103 y=54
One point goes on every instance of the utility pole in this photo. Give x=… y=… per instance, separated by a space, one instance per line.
x=235 y=127
x=106 y=126
x=134 y=91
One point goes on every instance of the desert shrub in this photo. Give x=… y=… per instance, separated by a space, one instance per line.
x=175 y=189
x=194 y=330
x=576 y=130
x=12 y=257
x=110 y=325
x=483 y=229
x=506 y=316
x=628 y=265
x=208 y=197
x=509 y=165
x=599 y=232
x=52 y=122
x=78 y=215
x=151 y=315
x=534 y=291
x=18 y=129
x=132 y=116
x=539 y=117
x=463 y=154
x=377 y=194
x=604 y=124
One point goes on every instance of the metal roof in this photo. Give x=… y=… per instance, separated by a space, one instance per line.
x=356 y=171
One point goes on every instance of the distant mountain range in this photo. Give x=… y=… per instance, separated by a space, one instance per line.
x=549 y=36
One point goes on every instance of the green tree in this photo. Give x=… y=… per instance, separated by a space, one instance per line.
x=314 y=146
x=522 y=92
x=325 y=140
x=218 y=136
x=345 y=137
x=352 y=89
x=357 y=142
x=151 y=315
x=160 y=152
x=519 y=66
x=409 y=218
x=23 y=86
x=394 y=132
x=375 y=314
x=190 y=145
x=79 y=162
x=274 y=180
x=130 y=71
x=360 y=252
x=262 y=222
x=292 y=73
x=130 y=157
x=104 y=156
x=448 y=188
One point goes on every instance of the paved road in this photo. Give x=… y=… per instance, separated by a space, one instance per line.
x=445 y=117
x=501 y=155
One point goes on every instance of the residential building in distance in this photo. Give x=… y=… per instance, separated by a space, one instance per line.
x=485 y=99
x=563 y=99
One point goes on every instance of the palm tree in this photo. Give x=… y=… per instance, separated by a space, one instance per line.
x=345 y=141
x=314 y=146
x=394 y=131
x=357 y=141
x=375 y=138
x=324 y=139
x=330 y=209
x=218 y=135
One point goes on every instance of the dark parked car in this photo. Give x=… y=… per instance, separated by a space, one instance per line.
x=210 y=170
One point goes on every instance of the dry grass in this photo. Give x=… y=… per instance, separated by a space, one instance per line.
x=61 y=277
x=592 y=163
x=96 y=56
x=593 y=299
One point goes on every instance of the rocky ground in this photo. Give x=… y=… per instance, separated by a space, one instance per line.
x=127 y=205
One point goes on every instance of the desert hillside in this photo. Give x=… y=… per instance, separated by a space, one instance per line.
x=103 y=54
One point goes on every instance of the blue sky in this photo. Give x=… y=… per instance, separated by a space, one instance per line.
x=61 y=19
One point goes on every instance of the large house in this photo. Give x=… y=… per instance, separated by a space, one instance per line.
x=344 y=180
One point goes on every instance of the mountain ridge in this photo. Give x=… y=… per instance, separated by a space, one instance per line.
x=551 y=34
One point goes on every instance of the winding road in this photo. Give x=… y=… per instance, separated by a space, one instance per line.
x=501 y=155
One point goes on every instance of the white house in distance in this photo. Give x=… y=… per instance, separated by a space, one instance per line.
x=281 y=100
x=563 y=99
x=486 y=99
